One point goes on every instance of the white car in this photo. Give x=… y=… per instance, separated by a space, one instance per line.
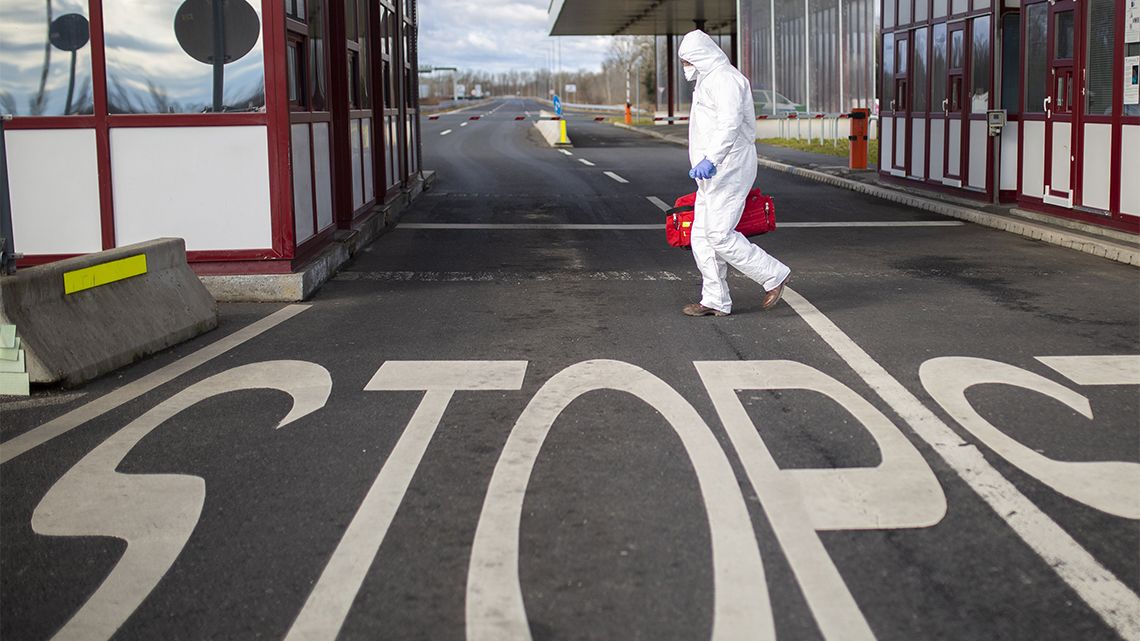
x=763 y=98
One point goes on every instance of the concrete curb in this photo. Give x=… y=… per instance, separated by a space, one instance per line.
x=306 y=280
x=75 y=337
x=1121 y=252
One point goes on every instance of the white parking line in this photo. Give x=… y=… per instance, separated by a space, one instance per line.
x=565 y=152
x=616 y=177
x=16 y=446
x=445 y=132
x=585 y=162
x=661 y=204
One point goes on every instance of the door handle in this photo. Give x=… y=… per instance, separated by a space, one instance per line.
x=892 y=105
x=945 y=107
x=1045 y=105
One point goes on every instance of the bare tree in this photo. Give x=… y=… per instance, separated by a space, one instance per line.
x=626 y=54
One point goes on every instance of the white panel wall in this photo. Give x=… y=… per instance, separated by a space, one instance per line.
x=900 y=144
x=323 y=173
x=954 y=150
x=54 y=180
x=369 y=182
x=937 y=148
x=1062 y=151
x=1033 y=159
x=357 y=165
x=208 y=185
x=1096 y=185
x=302 y=183
x=1130 y=157
x=1009 y=157
x=979 y=152
x=918 y=148
x=887 y=145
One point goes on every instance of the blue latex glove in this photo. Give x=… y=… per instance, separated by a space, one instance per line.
x=703 y=171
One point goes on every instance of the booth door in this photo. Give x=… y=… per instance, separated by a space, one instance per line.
x=1060 y=124
x=954 y=107
x=901 y=105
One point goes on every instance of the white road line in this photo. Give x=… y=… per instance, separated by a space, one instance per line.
x=1115 y=602
x=331 y=599
x=661 y=204
x=463 y=124
x=31 y=439
x=445 y=132
x=493 y=276
x=615 y=177
x=657 y=227
x=563 y=151
x=495 y=610
x=585 y=162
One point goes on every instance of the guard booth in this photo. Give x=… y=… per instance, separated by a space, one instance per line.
x=253 y=129
x=1062 y=74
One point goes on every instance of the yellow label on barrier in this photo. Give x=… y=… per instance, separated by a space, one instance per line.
x=96 y=275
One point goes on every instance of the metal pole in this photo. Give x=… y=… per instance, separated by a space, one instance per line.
x=219 y=53
x=8 y=253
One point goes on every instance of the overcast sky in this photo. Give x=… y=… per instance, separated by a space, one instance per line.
x=498 y=35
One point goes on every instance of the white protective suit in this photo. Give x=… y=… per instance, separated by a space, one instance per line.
x=722 y=128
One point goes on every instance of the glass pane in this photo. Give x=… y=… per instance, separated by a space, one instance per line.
x=900 y=46
x=160 y=57
x=981 y=5
x=904 y=11
x=960 y=6
x=918 y=72
x=920 y=10
x=1063 y=31
x=1131 y=49
x=1098 y=57
x=888 y=69
x=980 y=72
x=940 y=7
x=350 y=16
x=1036 y=79
x=938 y=67
x=293 y=63
x=1010 y=57
x=957 y=49
x=46 y=58
x=318 y=75
x=888 y=13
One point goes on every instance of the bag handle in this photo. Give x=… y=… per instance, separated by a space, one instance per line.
x=677 y=210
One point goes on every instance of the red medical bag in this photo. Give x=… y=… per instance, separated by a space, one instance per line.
x=759 y=217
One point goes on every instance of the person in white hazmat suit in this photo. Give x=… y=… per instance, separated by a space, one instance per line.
x=722 y=153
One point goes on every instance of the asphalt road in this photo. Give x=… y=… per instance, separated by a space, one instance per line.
x=496 y=424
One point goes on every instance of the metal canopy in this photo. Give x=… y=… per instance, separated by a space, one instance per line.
x=639 y=17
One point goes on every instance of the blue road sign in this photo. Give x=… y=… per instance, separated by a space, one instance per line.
x=557 y=106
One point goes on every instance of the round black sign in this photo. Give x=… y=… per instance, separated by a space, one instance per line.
x=69 y=32
x=194 y=28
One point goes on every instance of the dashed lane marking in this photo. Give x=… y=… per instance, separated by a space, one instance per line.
x=615 y=177
x=567 y=153
x=463 y=124
x=661 y=204
x=585 y=162
x=445 y=132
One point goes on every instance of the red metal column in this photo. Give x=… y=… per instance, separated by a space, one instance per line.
x=278 y=129
x=102 y=134
x=340 y=148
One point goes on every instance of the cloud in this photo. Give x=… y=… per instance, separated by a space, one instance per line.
x=498 y=35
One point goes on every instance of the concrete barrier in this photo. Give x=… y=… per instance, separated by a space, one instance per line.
x=553 y=131
x=83 y=317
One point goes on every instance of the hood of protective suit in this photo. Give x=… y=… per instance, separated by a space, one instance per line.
x=698 y=49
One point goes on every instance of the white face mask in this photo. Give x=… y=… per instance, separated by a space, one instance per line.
x=690 y=72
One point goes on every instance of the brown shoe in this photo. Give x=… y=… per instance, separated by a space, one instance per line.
x=697 y=309
x=773 y=297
